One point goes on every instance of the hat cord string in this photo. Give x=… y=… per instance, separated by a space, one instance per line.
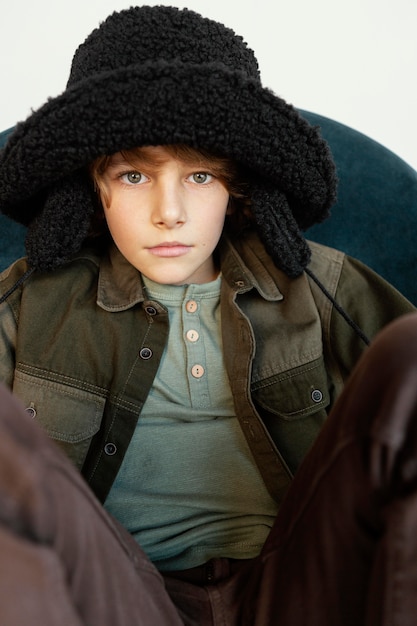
x=338 y=308
x=17 y=284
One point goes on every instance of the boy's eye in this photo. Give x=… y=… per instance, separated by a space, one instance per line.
x=201 y=178
x=133 y=178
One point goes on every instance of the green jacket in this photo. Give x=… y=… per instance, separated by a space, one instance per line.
x=81 y=348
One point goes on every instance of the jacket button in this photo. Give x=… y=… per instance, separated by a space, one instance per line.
x=145 y=353
x=316 y=395
x=31 y=411
x=110 y=449
x=150 y=310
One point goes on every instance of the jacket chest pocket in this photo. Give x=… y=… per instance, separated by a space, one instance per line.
x=70 y=416
x=293 y=406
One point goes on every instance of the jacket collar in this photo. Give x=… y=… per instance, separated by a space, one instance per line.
x=244 y=263
x=120 y=285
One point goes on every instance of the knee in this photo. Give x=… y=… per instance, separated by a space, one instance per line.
x=380 y=396
x=395 y=346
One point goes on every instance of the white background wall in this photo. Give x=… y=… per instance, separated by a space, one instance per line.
x=353 y=60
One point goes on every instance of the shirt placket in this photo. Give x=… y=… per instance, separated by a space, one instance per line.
x=196 y=357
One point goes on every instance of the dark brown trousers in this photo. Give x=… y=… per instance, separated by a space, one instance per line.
x=343 y=550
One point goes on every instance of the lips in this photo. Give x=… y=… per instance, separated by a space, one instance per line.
x=170 y=249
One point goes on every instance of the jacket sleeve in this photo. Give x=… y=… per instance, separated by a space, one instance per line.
x=9 y=313
x=370 y=301
x=8 y=335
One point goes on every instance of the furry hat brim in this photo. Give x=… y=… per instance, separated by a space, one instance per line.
x=151 y=105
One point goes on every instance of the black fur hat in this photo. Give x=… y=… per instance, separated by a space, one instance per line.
x=160 y=75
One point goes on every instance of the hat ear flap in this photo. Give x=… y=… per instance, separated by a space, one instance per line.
x=279 y=230
x=59 y=230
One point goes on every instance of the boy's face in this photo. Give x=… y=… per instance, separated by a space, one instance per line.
x=165 y=215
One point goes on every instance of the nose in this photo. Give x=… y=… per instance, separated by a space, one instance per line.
x=169 y=207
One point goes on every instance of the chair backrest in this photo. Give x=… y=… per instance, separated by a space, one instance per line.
x=374 y=219
x=12 y=235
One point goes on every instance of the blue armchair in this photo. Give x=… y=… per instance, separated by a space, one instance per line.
x=374 y=219
x=12 y=235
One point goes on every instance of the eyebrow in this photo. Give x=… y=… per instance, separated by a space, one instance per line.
x=120 y=164
x=116 y=161
x=137 y=162
x=143 y=161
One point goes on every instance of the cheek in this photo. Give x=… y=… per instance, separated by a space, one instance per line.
x=217 y=207
x=119 y=224
x=221 y=210
x=121 y=213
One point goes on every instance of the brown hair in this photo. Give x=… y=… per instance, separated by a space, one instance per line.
x=225 y=169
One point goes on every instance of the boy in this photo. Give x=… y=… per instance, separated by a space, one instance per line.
x=171 y=328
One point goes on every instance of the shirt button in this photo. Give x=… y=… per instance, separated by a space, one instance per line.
x=145 y=353
x=110 y=449
x=192 y=335
x=191 y=306
x=316 y=395
x=197 y=371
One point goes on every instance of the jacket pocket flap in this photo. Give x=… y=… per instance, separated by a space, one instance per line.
x=296 y=393
x=65 y=412
x=69 y=415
